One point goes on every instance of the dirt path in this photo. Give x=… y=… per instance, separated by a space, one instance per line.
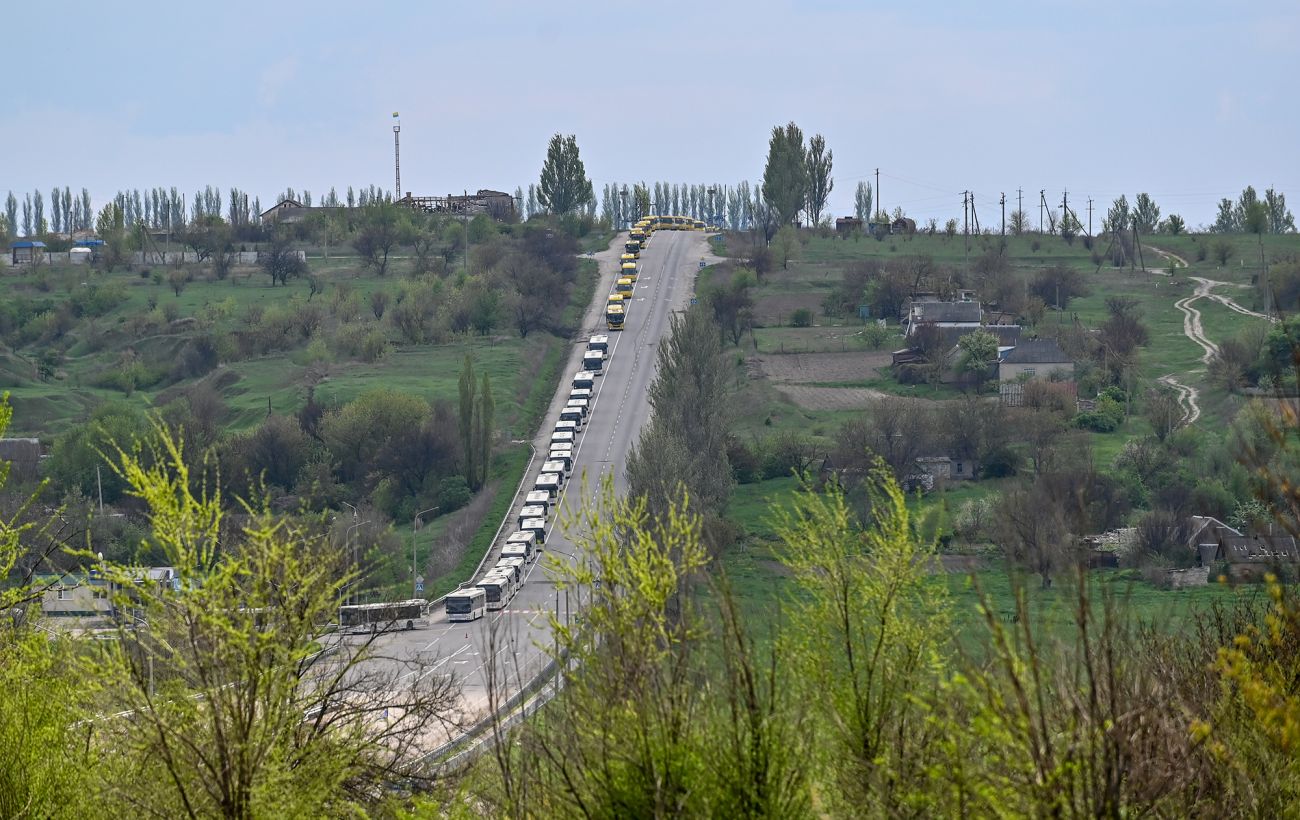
x=1210 y=284
x=1192 y=327
x=1187 y=397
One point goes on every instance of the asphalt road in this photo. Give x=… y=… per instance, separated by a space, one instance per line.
x=513 y=638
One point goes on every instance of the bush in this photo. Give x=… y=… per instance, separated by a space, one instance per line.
x=745 y=466
x=803 y=317
x=1106 y=418
x=197 y=358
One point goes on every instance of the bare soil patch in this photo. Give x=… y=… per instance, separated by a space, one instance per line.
x=777 y=308
x=821 y=368
x=829 y=398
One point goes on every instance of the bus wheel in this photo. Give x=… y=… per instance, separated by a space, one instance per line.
x=410 y=625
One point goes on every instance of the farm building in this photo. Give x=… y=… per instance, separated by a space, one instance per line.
x=26 y=251
x=1035 y=359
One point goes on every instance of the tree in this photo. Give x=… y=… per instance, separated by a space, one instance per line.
x=1225 y=221
x=281 y=261
x=820 y=183
x=1174 y=225
x=733 y=305
x=1119 y=216
x=1146 y=214
x=689 y=401
x=1057 y=285
x=872 y=627
x=1280 y=218
x=235 y=710
x=380 y=227
x=1018 y=223
x=979 y=351
x=564 y=185
x=785 y=176
x=1032 y=530
x=862 y=200
x=483 y=423
x=787 y=243
x=468 y=405
x=11 y=213
x=1163 y=411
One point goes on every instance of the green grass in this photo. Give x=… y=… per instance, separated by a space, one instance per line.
x=507 y=469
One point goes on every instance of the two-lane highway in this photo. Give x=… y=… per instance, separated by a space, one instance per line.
x=619 y=410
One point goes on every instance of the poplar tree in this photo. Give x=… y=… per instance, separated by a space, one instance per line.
x=564 y=183
x=785 y=177
x=466 y=420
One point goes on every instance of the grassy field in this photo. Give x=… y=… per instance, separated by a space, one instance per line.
x=763 y=410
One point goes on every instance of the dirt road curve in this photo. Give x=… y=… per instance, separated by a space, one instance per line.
x=1192 y=327
x=1187 y=397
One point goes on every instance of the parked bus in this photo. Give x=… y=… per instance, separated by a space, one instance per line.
x=564 y=457
x=531 y=511
x=614 y=317
x=581 y=404
x=568 y=424
x=556 y=467
x=594 y=361
x=568 y=413
x=628 y=271
x=549 y=482
x=585 y=378
x=562 y=437
x=624 y=286
x=579 y=393
x=466 y=604
x=512 y=568
x=538 y=498
x=537 y=526
x=598 y=342
x=383 y=617
x=497 y=589
x=517 y=551
x=525 y=539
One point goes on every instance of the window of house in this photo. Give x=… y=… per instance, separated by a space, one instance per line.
x=1029 y=371
x=64 y=594
x=960 y=467
x=99 y=594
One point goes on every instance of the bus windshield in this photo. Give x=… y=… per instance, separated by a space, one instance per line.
x=462 y=603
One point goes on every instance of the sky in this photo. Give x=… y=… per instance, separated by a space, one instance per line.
x=1189 y=101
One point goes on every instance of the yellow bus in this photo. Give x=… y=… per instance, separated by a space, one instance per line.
x=632 y=247
x=637 y=235
x=614 y=317
x=627 y=259
x=698 y=224
x=624 y=286
x=628 y=271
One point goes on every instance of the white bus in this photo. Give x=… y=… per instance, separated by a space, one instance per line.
x=598 y=342
x=512 y=568
x=531 y=511
x=585 y=378
x=498 y=589
x=550 y=482
x=537 y=526
x=538 y=498
x=574 y=414
x=564 y=457
x=572 y=425
x=557 y=467
x=580 y=393
x=525 y=539
x=383 y=617
x=582 y=404
x=563 y=436
x=593 y=360
x=467 y=604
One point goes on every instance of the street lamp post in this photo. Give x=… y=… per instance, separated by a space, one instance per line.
x=415 y=573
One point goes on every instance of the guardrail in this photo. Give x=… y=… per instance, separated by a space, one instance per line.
x=523 y=480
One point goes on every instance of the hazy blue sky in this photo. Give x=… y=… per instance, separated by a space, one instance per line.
x=1188 y=100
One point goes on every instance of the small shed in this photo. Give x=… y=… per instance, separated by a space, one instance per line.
x=26 y=251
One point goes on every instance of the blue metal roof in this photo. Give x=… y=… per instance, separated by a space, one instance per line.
x=88 y=243
x=27 y=243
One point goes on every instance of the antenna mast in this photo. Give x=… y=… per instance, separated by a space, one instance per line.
x=397 y=157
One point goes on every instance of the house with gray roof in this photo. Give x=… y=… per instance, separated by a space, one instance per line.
x=1035 y=359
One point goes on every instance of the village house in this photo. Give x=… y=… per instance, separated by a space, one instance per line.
x=1036 y=359
x=86 y=600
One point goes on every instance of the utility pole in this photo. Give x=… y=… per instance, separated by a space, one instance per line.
x=397 y=157
x=1041 y=202
x=1002 y=200
x=880 y=205
x=417 y=582
x=965 y=219
x=1065 y=208
x=1089 y=216
x=1020 y=206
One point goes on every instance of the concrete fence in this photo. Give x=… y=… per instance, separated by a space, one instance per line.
x=141 y=258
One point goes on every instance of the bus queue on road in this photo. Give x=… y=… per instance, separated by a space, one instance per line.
x=523 y=546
